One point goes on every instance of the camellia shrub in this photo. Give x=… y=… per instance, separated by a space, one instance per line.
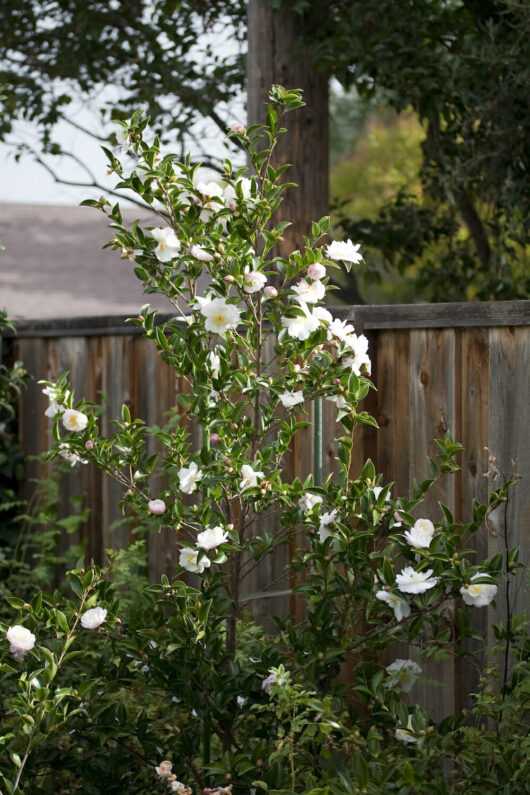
x=180 y=690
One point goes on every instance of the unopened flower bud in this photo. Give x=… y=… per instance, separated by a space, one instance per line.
x=271 y=291
x=215 y=438
x=237 y=127
x=234 y=426
x=221 y=248
x=156 y=507
x=316 y=271
x=229 y=278
x=336 y=381
x=89 y=444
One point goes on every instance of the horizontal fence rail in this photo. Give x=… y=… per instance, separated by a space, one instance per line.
x=458 y=367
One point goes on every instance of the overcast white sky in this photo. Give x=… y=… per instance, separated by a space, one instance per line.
x=28 y=182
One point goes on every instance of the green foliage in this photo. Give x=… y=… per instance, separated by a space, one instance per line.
x=101 y=686
x=463 y=68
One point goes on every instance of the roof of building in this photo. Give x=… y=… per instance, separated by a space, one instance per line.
x=54 y=266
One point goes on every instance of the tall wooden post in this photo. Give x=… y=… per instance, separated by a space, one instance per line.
x=273 y=57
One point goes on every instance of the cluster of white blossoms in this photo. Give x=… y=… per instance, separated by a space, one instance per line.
x=352 y=348
x=208 y=539
x=307 y=502
x=20 y=640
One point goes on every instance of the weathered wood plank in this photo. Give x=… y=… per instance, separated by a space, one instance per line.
x=390 y=316
x=432 y=413
x=509 y=443
x=474 y=393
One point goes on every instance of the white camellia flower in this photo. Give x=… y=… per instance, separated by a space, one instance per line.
x=168 y=243
x=308 y=501
x=325 y=520
x=403 y=674
x=323 y=315
x=188 y=559
x=359 y=347
x=74 y=420
x=421 y=534
x=93 y=618
x=254 y=281
x=339 y=329
x=291 y=399
x=250 y=477
x=406 y=735
x=214 y=363
x=211 y=538
x=316 y=270
x=189 y=477
x=480 y=594
x=53 y=409
x=156 y=507
x=339 y=400
x=164 y=769
x=66 y=452
x=399 y=605
x=301 y=326
x=220 y=316
x=209 y=190
x=230 y=192
x=344 y=250
x=309 y=292
x=201 y=254
x=51 y=392
x=20 y=640
x=411 y=581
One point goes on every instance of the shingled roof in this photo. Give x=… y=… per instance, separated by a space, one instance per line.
x=53 y=265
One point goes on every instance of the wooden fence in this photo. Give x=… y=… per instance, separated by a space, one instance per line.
x=458 y=367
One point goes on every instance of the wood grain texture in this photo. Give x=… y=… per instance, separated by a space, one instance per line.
x=471 y=380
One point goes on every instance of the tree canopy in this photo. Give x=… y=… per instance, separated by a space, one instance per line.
x=463 y=66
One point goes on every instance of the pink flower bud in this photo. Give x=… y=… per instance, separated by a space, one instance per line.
x=397 y=517
x=234 y=426
x=215 y=438
x=259 y=762
x=125 y=424
x=229 y=278
x=316 y=271
x=156 y=507
x=271 y=291
x=237 y=127
x=129 y=493
x=89 y=444
x=228 y=777
x=336 y=381
x=232 y=205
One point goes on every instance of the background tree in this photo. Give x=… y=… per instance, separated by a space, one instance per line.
x=459 y=231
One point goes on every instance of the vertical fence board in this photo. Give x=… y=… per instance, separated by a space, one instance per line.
x=509 y=443
x=432 y=413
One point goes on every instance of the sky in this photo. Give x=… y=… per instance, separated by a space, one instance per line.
x=27 y=182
